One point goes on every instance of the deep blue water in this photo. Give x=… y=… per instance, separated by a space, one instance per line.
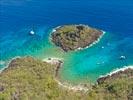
x=18 y=17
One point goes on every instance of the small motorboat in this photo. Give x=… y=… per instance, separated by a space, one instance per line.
x=122 y=57
x=32 y=32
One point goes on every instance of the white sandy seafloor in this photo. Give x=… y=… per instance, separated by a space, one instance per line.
x=2 y=62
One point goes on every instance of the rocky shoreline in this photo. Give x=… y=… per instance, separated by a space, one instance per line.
x=127 y=71
x=7 y=64
x=42 y=76
x=72 y=37
x=46 y=73
x=56 y=62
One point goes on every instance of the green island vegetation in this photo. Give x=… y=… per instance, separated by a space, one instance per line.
x=71 y=37
x=28 y=78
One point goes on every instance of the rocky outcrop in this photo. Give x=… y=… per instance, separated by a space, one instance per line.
x=118 y=75
x=71 y=37
x=1 y=88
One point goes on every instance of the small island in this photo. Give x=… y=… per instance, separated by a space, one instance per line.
x=72 y=37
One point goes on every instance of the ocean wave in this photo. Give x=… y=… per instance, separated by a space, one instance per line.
x=117 y=70
x=7 y=63
x=95 y=42
x=54 y=29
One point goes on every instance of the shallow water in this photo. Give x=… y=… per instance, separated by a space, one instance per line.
x=18 y=18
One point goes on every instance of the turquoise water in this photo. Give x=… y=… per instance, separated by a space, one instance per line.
x=18 y=18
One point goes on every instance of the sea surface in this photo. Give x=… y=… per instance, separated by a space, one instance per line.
x=19 y=17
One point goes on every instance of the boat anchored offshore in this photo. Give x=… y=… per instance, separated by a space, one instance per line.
x=32 y=32
x=122 y=57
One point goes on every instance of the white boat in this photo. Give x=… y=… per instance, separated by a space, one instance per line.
x=122 y=57
x=32 y=32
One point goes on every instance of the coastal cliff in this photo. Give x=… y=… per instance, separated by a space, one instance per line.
x=71 y=37
x=31 y=79
x=127 y=73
